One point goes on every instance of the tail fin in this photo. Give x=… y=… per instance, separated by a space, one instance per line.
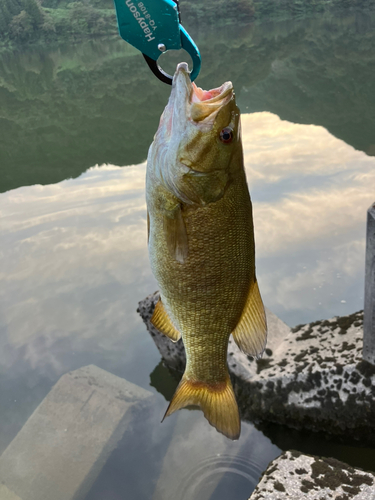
x=216 y=400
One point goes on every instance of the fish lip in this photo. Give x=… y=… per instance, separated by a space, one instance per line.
x=182 y=75
x=214 y=95
x=202 y=106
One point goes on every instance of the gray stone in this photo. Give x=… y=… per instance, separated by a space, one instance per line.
x=295 y=476
x=64 y=444
x=369 y=311
x=315 y=379
x=310 y=377
x=6 y=494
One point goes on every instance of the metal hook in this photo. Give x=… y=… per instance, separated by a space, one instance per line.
x=188 y=44
x=158 y=71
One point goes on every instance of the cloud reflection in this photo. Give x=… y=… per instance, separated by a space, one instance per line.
x=276 y=149
x=310 y=192
x=75 y=255
x=74 y=265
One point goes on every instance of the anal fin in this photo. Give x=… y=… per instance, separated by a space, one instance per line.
x=250 y=333
x=163 y=323
x=217 y=401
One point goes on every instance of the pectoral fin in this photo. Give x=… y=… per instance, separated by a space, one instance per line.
x=250 y=333
x=163 y=323
x=176 y=235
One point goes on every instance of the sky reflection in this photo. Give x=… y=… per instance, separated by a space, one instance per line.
x=74 y=260
x=310 y=192
x=66 y=240
x=74 y=253
x=74 y=266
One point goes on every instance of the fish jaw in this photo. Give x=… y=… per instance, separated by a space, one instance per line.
x=194 y=106
x=187 y=142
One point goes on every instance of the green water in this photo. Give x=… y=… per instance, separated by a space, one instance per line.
x=65 y=110
x=75 y=125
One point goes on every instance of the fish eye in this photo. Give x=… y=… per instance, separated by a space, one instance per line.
x=226 y=135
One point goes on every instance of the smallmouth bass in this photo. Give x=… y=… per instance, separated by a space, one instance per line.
x=201 y=244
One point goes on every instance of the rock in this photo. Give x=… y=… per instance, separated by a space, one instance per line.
x=62 y=447
x=310 y=377
x=6 y=494
x=295 y=476
x=315 y=379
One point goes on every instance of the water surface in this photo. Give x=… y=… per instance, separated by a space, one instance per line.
x=75 y=126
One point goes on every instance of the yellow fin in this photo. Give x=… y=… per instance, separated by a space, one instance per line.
x=162 y=322
x=216 y=400
x=250 y=333
x=176 y=235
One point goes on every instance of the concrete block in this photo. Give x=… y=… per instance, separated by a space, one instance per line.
x=369 y=310
x=64 y=444
x=294 y=476
x=6 y=494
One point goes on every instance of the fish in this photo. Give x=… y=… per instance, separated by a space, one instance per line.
x=201 y=245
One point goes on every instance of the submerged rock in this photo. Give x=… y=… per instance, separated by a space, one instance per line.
x=62 y=447
x=310 y=377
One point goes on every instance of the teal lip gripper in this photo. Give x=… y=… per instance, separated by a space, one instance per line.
x=153 y=27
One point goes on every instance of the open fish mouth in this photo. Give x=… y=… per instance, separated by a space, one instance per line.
x=201 y=106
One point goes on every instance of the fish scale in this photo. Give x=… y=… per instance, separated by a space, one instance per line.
x=209 y=268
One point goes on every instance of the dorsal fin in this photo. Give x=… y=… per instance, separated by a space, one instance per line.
x=163 y=323
x=250 y=333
